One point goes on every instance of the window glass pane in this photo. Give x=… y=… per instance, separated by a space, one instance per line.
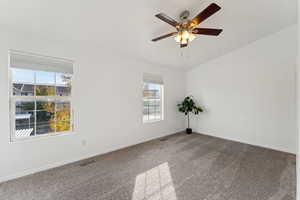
x=22 y=76
x=63 y=79
x=45 y=105
x=43 y=90
x=20 y=89
x=158 y=108
x=45 y=117
x=152 y=98
x=22 y=106
x=63 y=126
x=45 y=78
x=146 y=102
x=63 y=84
x=63 y=116
x=152 y=109
x=146 y=110
x=45 y=83
x=23 y=82
x=63 y=111
x=24 y=119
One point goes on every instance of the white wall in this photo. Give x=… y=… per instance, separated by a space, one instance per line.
x=249 y=94
x=298 y=123
x=107 y=100
x=298 y=109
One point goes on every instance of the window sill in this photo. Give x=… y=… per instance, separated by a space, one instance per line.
x=40 y=137
x=152 y=121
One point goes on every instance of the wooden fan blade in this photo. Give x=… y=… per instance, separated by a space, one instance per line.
x=167 y=19
x=164 y=36
x=207 y=31
x=206 y=13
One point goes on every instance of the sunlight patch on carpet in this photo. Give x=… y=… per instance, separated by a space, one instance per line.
x=155 y=183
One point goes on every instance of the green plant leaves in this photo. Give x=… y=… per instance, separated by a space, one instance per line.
x=188 y=105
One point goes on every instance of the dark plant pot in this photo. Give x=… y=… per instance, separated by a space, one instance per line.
x=189 y=131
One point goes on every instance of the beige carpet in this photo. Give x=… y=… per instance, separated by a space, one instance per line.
x=179 y=167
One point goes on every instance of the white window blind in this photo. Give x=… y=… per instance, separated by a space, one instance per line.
x=22 y=60
x=153 y=78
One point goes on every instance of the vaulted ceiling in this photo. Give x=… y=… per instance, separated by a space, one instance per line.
x=129 y=26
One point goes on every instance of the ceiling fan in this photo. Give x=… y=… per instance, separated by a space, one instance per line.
x=186 y=29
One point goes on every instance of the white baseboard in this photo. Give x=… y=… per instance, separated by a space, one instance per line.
x=245 y=142
x=61 y=163
x=39 y=169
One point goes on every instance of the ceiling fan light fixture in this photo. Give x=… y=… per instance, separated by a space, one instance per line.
x=184 y=41
x=186 y=30
x=191 y=37
x=178 y=38
x=185 y=35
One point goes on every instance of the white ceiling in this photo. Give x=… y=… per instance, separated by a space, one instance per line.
x=129 y=26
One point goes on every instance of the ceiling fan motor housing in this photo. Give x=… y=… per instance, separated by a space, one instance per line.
x=184 y=15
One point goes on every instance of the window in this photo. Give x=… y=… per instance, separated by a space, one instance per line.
x=152 y=98
x=40 y=98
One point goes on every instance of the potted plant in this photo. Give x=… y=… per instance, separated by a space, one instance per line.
x=189 y=106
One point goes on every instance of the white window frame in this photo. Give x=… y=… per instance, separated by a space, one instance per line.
x=13 y=99
x=161 y=103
